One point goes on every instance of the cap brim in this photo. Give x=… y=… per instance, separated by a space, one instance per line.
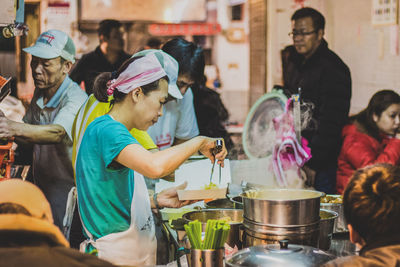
x=41 y=52
x=173 y=90
x=21 y=222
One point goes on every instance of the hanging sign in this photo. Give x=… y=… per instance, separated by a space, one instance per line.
x=160 y=29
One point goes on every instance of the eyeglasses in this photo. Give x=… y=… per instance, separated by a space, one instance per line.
x=302 y=34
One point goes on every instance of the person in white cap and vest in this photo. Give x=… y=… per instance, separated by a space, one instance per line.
x=48 y=119
x=114 y=204
x=28 y=236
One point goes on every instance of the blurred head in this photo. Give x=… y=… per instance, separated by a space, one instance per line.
x=24 y=209
x=141 y=81
x=307 y=30
x=111 y=34
x=372 y=202
x=153 y=43
x=52 y=57
x=191 y=62
x=382 y=114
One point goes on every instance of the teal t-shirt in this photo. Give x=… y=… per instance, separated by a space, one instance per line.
x=104 y=191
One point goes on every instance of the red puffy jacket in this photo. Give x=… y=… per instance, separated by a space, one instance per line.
x=359 y=150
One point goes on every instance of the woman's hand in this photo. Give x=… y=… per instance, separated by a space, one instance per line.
x=168 y=198
x=208 y=149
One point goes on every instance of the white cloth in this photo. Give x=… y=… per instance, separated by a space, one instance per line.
x=178 y=121
x=136 y=246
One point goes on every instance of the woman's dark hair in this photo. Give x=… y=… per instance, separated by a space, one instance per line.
x=100 y=84
x=317 y=18
x=190 y=57
x=371 y=202
x=379 y=102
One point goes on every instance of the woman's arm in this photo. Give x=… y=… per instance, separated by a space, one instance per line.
x=164 y=162
x=360 y=152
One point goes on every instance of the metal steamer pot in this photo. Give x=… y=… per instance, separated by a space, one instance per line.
x=236 y=215
x=281 y=254
x=271 y=215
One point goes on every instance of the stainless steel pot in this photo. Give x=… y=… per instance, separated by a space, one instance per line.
x=340 y=225
x=206 y=258
x=257 y=234
x=283 y=206
x=279 y=255
x=326 y=224
x=236 y=215
x=222 y=203
x=237 y=202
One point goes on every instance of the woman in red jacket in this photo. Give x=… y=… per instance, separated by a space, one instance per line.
x=372 y=137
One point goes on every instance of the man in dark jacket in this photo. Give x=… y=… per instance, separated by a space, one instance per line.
x=107 y=57
x=28 y=236
x=325 y=81
x=372 y=210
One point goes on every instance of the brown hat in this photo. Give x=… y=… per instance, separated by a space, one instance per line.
x=33 y=200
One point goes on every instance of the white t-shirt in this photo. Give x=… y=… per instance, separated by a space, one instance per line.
x=178 y=121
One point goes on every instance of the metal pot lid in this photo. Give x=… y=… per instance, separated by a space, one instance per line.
x=279 y=255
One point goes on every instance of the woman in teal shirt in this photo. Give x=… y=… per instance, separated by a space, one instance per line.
x=113 y=200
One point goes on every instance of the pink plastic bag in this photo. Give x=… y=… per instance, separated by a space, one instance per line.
x=288 y=153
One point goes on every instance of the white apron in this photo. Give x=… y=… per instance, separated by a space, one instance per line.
x=136 y=246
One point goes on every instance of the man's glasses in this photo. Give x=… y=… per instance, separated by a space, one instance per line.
x=302 y=34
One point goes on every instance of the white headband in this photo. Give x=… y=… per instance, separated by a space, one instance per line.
x=140 y=72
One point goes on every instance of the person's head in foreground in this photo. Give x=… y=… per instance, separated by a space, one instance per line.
x=53 y=55
x=141 y=85
x=25 y=216
x=28 y=236
x=372 y=205
x=308 y=26
x=382 y=115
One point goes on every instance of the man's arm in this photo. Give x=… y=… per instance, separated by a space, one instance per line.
x=29 y=133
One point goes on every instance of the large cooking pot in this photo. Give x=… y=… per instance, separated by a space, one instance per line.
x=282 y=206
x=258 y=234
x=275 y=255
x=236 y=216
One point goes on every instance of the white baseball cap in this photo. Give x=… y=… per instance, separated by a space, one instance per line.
x=52 y=44
x=170 y=66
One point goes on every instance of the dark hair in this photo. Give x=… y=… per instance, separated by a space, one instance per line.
x=379 y=102
x=372 y=202
x=190 y=57
x=13 y=208
x=100 y=84
x=106 y=26
x=154 y=43
x=317 y=18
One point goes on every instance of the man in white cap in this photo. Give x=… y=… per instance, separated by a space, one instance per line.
x=28 y=236
x=48 y=120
